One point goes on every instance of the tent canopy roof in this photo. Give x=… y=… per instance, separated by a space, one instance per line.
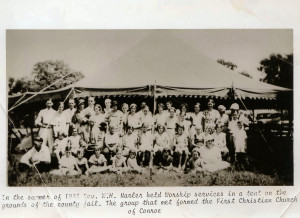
x=162 y=58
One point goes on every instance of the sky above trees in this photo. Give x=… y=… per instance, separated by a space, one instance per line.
x=90 y=50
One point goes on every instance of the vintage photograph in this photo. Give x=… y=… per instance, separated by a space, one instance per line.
x=144 y=108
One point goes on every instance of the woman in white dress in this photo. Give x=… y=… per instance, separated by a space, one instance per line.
x=211 y=157
x=60 y=121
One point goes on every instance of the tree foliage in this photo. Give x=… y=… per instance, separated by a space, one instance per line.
x=228 y=64
x=44 y=74
x=278 y=70
x=232 y=66
x=244 y=73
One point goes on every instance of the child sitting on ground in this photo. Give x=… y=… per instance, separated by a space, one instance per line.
x=211 y=157
x=181 y=147
x=240 y=145
x=132 y=162
x=67 y=165
x=165 y=163
x=97 y=161
x=118 y=163
x=60 y=145
x=194 y=163
x=82 y=162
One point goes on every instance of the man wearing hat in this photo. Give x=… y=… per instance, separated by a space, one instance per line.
x=44 y=122
x=78 y=120
x=37 y=157
x=234 y=108
x=115 y=117
x=223 y=119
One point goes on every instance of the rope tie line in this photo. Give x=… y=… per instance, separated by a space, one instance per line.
x=39 y=92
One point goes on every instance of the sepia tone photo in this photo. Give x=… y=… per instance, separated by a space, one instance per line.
x=150 y=107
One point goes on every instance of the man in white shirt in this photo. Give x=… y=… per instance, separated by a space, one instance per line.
x=44 y=121
x=197 y=118
x=37 y=157
x=69 y=113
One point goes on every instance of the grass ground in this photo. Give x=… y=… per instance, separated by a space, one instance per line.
x=229 y=177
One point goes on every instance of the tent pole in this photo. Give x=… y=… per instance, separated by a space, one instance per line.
x=154 y=97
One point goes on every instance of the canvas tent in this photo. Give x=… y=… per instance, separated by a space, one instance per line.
x=162 y=64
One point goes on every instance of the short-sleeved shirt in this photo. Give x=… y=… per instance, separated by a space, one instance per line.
x=197 y=118
x=147 y=120
x=160 y=118
x=162 y=139
x=45 y=116
x=130 y=141
x=119 y=162
x=37 y=156
x=134 y=120
x=146 y=140
x=210 y=118
x=97 y=161
x=99 y=118
x=68 y=114
x=68 y=162
x=171 y=122
x=181 y=140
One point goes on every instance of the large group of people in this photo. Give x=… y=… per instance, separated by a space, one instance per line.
x=96 y=139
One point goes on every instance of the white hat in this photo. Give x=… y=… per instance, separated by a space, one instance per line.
x=222 y=108
x=107 y=101
x=209 y=137
x=234 y=106
x=133 y=105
